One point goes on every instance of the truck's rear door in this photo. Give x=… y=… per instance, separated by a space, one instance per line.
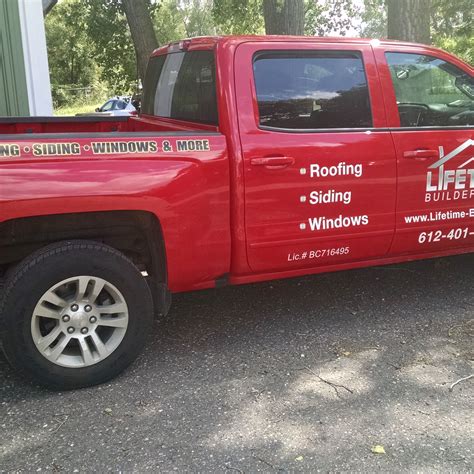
x=430 y=109
x=319 y=167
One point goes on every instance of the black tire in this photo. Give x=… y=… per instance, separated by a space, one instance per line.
x=39 y=272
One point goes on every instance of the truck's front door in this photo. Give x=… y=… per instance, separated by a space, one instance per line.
x=430 y=109
x=319 y=167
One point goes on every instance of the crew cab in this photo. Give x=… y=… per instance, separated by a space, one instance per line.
x=253 y=158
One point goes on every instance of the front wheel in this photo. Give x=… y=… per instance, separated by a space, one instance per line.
x=74 y=314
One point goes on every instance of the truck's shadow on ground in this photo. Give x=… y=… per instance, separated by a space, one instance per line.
x=289 y=375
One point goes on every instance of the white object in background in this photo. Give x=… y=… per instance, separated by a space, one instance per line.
x=119 y=105
x=35 y=54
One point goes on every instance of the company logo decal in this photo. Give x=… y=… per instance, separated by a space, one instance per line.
x=450 y=184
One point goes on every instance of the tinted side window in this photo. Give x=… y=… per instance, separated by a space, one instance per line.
x=301 y=90
x=183 y=87
x=430 y=91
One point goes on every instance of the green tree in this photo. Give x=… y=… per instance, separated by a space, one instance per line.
x=109 y=31
x=178 y=19
x=238 y=17
x=320 y=18
x=71 y=62
x=452 y=27
x=138 y=13
x=111 y=43
x=451 y=24
x=374 y=19
x=169 y=21
x=330 y=18
x=198 y=18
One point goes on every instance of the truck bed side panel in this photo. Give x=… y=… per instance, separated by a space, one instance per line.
x=183 y=179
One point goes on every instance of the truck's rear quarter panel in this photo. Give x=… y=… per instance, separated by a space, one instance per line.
x=182 y=178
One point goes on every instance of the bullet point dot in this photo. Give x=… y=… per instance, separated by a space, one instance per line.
x=302 y=198
x=302 y=226
x=302 y=170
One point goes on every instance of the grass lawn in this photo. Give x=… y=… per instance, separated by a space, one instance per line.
x=77 y=108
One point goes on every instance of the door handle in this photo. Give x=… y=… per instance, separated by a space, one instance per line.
x=280 y=161
x=421 y=154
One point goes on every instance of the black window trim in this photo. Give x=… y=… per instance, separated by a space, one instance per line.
x=310 y=52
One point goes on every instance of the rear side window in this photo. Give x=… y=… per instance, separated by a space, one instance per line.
x=430 y=91
x=182 y=86
x=108 y=106
x=301 y=90
x=120 y=105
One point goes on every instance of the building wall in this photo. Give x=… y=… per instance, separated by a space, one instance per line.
x=13 y=89
x=24 y=76
x=36 y=57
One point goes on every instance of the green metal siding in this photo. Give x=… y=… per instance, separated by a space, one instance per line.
x=13 y=88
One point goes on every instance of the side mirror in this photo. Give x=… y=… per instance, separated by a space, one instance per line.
x=97 y=109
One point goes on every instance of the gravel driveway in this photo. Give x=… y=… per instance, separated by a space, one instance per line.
x=306 y=375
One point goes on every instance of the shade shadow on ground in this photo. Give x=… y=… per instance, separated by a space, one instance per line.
x=296 y=375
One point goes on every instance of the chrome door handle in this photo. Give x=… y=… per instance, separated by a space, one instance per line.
x=421 y=154
x=270 y=161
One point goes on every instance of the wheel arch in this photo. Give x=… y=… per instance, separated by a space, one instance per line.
x=138 y=234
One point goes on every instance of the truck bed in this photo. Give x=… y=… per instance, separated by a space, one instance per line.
x=110 y=165
x=92 y=124
x=20 y=125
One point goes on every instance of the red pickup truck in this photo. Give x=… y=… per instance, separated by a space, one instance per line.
x=253 y=158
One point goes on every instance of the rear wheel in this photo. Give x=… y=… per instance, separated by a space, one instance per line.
x=74 y=314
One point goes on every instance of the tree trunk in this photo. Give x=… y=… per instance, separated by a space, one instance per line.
x=409 y=20
x=284 y=17
x=141 y=29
